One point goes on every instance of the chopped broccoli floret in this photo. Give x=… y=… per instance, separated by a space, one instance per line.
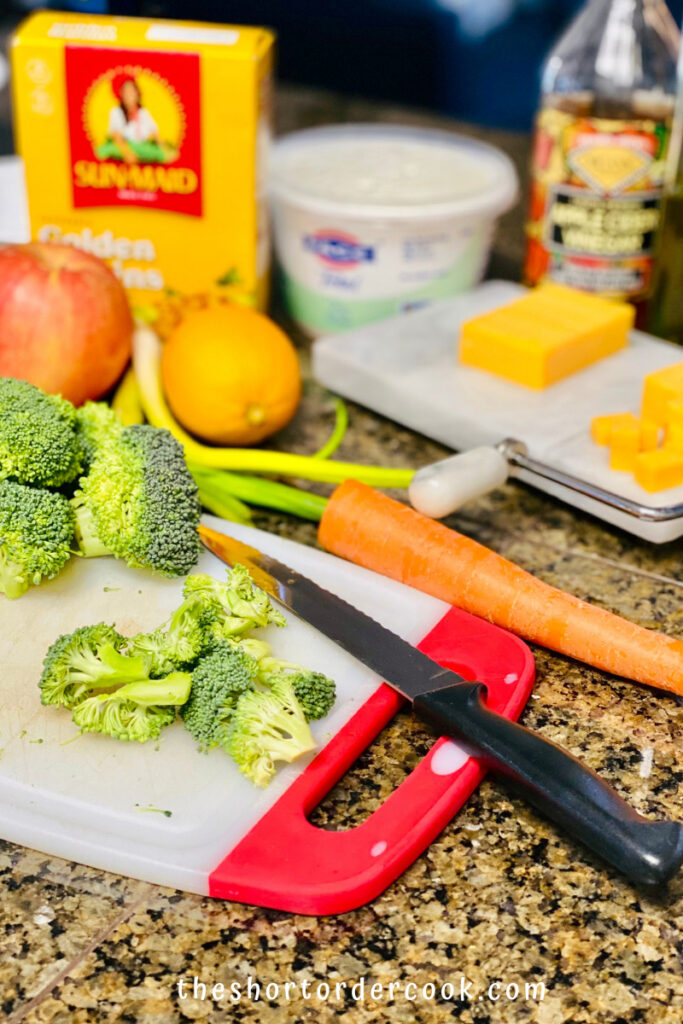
x=185 y=637
x=315 y=692
x=87 y=659
x=218 y=682
x=244 y=606
x=139 y=502
x=96 y=423
x=267 y=727
x=36 y=536
x=136 y=712
x=38 y=442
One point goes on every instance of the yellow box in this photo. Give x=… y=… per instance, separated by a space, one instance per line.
x=659 y=470
x=545 y=335
x=144 y=142
x=661 y=388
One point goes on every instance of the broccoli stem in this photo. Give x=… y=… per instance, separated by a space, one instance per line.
x=89 y=544
x=13 y=582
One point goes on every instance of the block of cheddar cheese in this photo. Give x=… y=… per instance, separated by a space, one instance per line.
x=546 y=335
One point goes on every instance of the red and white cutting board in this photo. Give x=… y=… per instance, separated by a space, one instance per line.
x=86 y=800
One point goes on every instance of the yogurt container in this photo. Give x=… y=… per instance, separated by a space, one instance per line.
x=372 y=220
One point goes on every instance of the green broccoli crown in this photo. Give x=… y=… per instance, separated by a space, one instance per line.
x=140 y=503
x=36 y=536
x=85 y=660
x=186 y=636
x=218 y=681
x=96 y=423
x=38 y=441
x=243 y=605
x=268 y=727
x=315 y=692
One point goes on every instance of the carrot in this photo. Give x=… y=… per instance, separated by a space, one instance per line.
x=374 y=531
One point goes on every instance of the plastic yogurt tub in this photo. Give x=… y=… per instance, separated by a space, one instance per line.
x=372 y=220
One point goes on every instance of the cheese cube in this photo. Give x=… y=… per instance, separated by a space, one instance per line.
x=649 y=435
x=624 y=445
x=602 y=426
x=674 y=437
x=659 y=470
x=674 y=411
x=661 y=388
x=545 y=335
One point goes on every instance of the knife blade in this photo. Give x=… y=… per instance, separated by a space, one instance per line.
x=570 y=793
x=408 y=670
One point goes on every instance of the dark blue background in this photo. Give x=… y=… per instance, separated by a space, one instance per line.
x=481 y=65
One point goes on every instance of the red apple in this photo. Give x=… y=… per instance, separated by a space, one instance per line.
x=65 y=322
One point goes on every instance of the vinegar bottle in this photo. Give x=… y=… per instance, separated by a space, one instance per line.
x=665 y=308
x=601 y=141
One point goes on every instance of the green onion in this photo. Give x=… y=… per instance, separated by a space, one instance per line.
x=337 y=436
x=220 y=485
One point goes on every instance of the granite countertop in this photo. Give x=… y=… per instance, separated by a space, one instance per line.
x=500 y=894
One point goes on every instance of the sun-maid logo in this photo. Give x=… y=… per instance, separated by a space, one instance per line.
x=134 y=128
x=338 y=249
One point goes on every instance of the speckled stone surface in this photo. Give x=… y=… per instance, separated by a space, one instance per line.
x=500 y=895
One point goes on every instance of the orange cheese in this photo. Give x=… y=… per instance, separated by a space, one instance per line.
x=659 y=470
x=546 y=335
x=662 y=388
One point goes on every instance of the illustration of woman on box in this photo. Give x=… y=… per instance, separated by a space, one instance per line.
x=132 y=133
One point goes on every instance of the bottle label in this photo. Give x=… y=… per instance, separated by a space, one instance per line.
x=596 y=193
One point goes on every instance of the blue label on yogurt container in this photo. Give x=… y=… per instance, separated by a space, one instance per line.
x=338 y=249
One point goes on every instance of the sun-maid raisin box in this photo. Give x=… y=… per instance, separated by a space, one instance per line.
x=144 y=142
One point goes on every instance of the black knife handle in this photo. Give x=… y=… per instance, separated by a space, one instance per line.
x=647 y=852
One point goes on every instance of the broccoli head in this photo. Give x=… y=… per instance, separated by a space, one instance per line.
x=243 y=606
x=186 y=636
x=88 y=659
x=218 y=681
x=38 y=441
x=139 y=503
x=96 y=423
x=137 y=711
x=268 y=726
x=36 y=536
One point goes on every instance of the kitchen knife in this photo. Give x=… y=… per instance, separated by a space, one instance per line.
x=647 y=852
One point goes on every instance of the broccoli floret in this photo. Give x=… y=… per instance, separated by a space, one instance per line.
x=38 y=442
x=96 y=423
x=315 y=692
x=136 y=712
x=139 y=503
x=243 y=605
x=267 y=727
x=36 y=536
x=85 y=660
x=218 y=681
x=186 y=636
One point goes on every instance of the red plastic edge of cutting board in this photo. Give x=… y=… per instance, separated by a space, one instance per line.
x=287 y=863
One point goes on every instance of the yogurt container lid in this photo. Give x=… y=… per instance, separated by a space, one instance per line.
x=391 y=171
